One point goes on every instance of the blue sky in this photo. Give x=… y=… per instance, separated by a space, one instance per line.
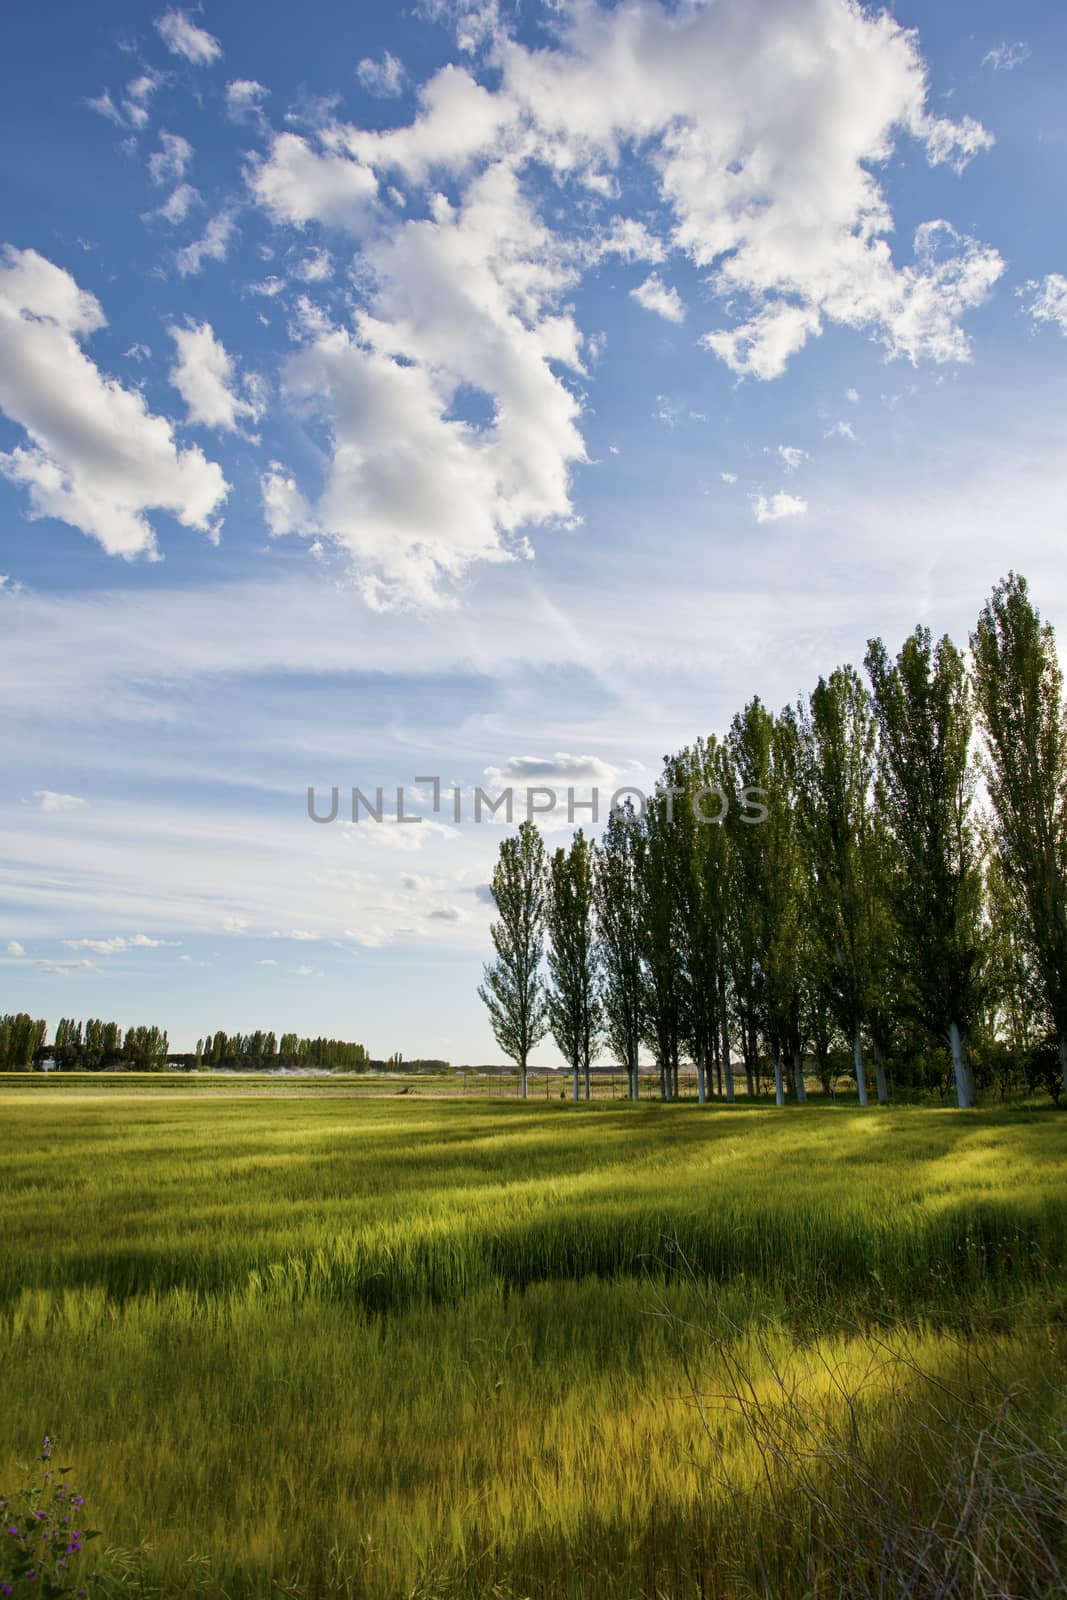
x=475 y=391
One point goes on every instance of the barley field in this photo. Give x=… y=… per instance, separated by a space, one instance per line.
x=311 y=1345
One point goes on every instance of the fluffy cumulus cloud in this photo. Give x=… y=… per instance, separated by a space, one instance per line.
x=766 y=168
x=465 y=304
x=14 y=948
x=775 y=507
x=184 y=38
x=96 y=457
x=662 y=298
x=207 y=380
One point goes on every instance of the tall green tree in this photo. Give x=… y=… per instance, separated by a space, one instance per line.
x=836 y=784
x=661 y=911
x=514 y=991
x=574 y=1014
x=923 y=707
x=749 y=743
x=618 y=876
x=702 y=773
x=783 y=929
x=1019 y=693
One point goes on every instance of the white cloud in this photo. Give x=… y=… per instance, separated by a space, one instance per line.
x=104 y=106
x=284 y=508
x=139 y=91
x=384 y=78
x=296 y=183
x=446 y=913
x=14 y=948
x=728 y=477
x=184 y=38
x=234 y=924
x=840 y=430
x=206 y=379
x=49 y=800
x=212 y=246
x=853 y=396
x=768 y=176
x=116 y=945
x=1048 y=299
x=774 y=507
x=244 y=99
x=301 y=936
x=268 y=962
x=1006 y=57
x=790 y=455
x=628 y=238
x=97 y=459
x=662 y=298
x=559 y=768
x=465 y=299
x=316 y=267
x=168 y=164
x=63 y=969
x=177 y=206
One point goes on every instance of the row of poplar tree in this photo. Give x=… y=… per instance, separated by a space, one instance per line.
x=903 y=897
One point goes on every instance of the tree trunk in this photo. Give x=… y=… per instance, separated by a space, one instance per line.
x=965 y=1096
x=750 y=1082
x=861 y=1076
x=727 y=1065
x=587 y=1093
x=633 y=1081
x=574 y=1072
x=798 y=1077
x=523 y=1070
x=879 y=1069
x=779 y=1092
x=701 y=1095
x=1063 y=1060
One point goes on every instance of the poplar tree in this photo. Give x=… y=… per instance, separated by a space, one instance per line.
x=923 y=709
x=1019 y=693
x=617 y=875
x=513 y=991
x=836 y=777
x=572 y=997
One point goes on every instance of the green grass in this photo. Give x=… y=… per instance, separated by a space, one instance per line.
x=387 y=1348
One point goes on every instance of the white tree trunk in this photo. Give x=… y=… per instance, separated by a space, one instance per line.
x=861 y=1076
x=701 y=1094
x=965 y=1096
x=727 y=1064
x=779 y=1091
x=798 y=1077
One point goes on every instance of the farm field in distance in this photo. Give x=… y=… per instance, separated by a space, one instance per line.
x=383 y=1347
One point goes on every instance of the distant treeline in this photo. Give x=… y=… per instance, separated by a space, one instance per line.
x=96 y=1046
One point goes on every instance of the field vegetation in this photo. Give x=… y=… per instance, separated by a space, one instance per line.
x=381 y=1348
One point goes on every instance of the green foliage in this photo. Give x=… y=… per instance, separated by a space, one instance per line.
x=573 y=1001
x=513 y=991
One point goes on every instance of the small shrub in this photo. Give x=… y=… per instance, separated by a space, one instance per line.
x=44 y=1534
